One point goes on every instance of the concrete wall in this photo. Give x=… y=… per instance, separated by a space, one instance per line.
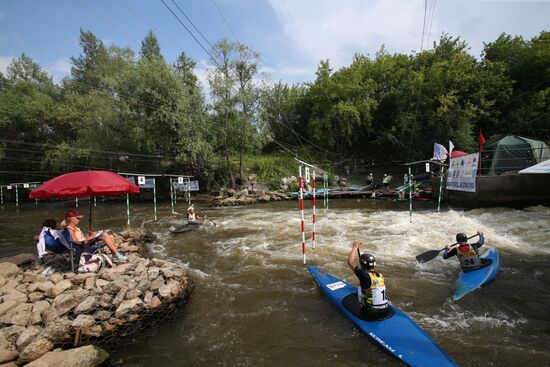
x=507 y=190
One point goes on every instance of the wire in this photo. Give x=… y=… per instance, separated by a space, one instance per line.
x=225 y=21
x=191 y=33
x=202 y=35
x=311 y=61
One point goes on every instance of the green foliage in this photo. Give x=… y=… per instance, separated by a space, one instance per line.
x=150 y=47
x=120 y=111
x=271 y=168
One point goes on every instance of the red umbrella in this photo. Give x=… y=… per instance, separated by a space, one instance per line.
x=457 y=153
x=84 y=183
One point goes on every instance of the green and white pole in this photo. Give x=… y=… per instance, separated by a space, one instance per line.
x=410 y=197
x=16 y=196
x=76 y=202
x=95 y=201
x=442 y=171
x=188 y=192
x=172 y=196
x=128 y=208
x=155 y=196
x=325 y=193
x=1 y=195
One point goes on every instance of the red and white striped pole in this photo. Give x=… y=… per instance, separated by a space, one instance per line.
x=314 y=213
x=302 y=212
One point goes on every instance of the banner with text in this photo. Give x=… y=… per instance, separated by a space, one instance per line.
x=186 y=185
x=462 y=173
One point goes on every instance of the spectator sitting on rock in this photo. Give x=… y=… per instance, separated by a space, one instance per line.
x=94 y=241
x=48 y=239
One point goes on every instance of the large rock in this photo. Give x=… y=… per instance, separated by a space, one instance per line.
x=157 y=283
x=12 y=333
x=88 y=356
x=7 y=355
x=36 y=296
x=8 y=269
x=19 y=315
x=7 y=305
x=60 y=287
x=64 y=303
x=86 y=306
x=83 y=322
x=26 y=337
x=128 y=306
x=37 y=309
x=29 y=277
x=81 y=278
x=21 y=259
x=37 y=348
x=57 y=331
x=44 y=286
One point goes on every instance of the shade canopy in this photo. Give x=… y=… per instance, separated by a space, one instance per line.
x=513 y=153
x=84 y=183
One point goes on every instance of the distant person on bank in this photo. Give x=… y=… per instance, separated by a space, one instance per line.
x=386 y=181
x=94 y=240
x=467 y=253
x=372 y=290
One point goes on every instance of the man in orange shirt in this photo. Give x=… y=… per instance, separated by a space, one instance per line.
x=95 y=240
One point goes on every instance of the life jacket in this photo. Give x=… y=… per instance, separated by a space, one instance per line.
x=191 y=217
x=375 y=296
x=468 y=257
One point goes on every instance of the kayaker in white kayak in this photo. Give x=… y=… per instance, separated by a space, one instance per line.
x=192 y=217
x=372 y=290
x=467 y=253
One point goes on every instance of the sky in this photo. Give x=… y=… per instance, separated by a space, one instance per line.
x=292 y=36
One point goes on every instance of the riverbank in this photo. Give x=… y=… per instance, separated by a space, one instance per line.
x=40 y=312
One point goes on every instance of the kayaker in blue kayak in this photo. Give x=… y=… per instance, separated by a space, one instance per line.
x=467 y=253
x=371 y=293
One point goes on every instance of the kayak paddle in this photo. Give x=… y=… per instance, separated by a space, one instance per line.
x=206 y=216
x=432 y=254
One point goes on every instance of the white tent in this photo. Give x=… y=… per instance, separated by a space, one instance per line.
x=542 y=167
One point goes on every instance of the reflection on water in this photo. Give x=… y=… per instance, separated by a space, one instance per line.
x=255 y=303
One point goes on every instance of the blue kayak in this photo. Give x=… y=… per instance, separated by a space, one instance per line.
x=398 y=333
x=468 y=282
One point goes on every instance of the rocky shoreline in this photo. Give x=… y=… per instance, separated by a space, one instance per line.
x=246 y=196
x=41 y=312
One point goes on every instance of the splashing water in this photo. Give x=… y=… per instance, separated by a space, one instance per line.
x=255 y=303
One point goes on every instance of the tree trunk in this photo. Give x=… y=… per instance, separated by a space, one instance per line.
x=226 y=153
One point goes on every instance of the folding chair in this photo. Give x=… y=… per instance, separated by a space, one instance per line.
x=78 y=248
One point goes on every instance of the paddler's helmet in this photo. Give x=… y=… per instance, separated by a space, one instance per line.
x=191 y=209
x=367 y=261
x=461 y=237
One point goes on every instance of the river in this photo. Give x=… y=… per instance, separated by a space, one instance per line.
x=255 y=304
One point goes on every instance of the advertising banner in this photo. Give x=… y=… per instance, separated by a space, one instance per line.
x=186 y=185
x=462 y=173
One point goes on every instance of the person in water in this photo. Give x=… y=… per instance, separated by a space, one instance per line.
x=92 y=242
x=372 y=290
x=467 y=253
x=192 y=217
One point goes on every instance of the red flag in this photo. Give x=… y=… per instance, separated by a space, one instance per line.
x=481 y=140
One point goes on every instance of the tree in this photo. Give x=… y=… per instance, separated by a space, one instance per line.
x=150 y=47
x=25 y=68
x=88 y=69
